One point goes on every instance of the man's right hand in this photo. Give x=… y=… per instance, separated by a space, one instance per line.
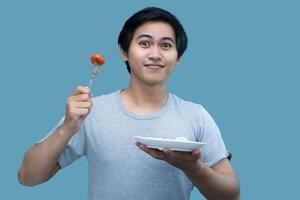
x=40 y=162
x=77 y=108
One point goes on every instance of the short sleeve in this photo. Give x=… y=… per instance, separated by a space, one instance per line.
x=215 y=149
x=75 y=148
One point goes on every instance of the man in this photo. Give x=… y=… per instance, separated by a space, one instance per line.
x=151 y=42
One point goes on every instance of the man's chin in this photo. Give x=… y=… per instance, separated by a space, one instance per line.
x=155 y=83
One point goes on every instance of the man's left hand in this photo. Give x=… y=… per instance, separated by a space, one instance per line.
x=186 y=161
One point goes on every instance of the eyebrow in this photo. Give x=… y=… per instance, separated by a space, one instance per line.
x=150 y=37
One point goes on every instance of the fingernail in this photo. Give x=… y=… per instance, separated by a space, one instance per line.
x=166 y=151
x=139 y=145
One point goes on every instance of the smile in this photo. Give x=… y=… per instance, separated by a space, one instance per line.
x=154 y=66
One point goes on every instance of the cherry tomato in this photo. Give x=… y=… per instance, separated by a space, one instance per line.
x=97 y=59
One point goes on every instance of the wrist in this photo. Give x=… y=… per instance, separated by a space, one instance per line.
x=195 y=170
x=65 y=132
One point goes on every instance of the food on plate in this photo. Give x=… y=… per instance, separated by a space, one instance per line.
x=181 y=138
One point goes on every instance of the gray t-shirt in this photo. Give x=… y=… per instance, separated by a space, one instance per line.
x=118 y=169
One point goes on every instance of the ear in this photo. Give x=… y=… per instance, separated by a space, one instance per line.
x=178 y=61
x=123 y=54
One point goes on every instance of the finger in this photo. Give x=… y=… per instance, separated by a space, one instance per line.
x=81 y=112
x=180 y=156
x=176 y=155
x=152 y=152
x=72 y=104
x=82 y=90
x=86 y=105
x=81 y=97
x=167 y=152
x=196 y=153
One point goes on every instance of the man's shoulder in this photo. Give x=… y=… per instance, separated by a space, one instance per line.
x=186 y=104
x=107 y=100
x=108 y=97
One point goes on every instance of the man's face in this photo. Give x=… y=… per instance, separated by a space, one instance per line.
x=152 y=53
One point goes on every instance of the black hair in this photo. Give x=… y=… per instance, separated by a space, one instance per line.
x=152 y=14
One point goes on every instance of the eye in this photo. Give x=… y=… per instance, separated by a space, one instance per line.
x=166 y=45
x=144 y=43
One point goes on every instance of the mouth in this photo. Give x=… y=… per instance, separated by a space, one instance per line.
x=154 y=66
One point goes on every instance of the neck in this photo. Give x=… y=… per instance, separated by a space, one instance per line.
x=143 y=99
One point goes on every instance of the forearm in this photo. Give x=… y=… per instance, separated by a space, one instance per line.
x=40 y=160
x=213 y=184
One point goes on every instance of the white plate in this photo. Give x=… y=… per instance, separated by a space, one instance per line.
x=176 y=145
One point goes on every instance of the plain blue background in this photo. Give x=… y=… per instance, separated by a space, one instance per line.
x=242 y=64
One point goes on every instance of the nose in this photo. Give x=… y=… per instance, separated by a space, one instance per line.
x=155 y=53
